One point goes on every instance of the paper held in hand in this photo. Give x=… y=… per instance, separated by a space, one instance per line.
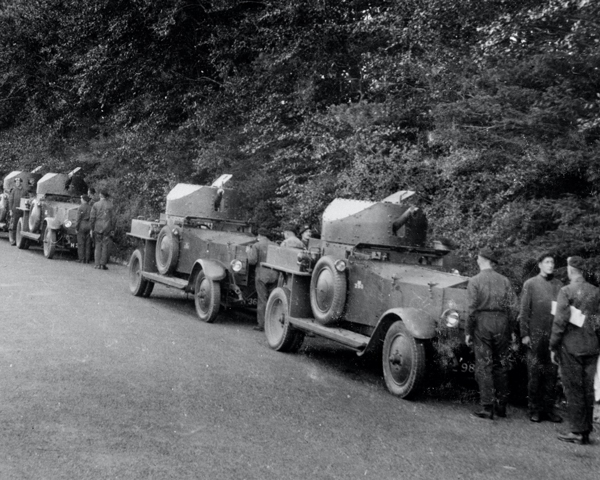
x=577 y=318
x=553 y=309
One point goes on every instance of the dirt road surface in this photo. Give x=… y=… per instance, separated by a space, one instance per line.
x=98 y=384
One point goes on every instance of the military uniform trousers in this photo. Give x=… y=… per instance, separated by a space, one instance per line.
x=492 y=341
x=577 y=374
x=84 y=242
x=101 y=248
x=15 y=215
x=265 y=283
x=542 y=376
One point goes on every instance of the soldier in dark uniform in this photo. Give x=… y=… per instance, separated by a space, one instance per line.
x=491 y=301
x=102 y=224
x=14 y=202
x=535 y=320
x=266 y=278
x=83 y=228
x=574 y=346
x=305 y=234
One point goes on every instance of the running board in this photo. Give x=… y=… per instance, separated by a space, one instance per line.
x=31 y=236
x=164 y=280
x=340 y=335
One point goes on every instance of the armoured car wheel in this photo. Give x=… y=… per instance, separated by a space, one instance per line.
x=22 y=242
x=327 y=291
x=167 y=249
x=137 y=283
x=148 y=290
x=403 y=361
x=35 y=216
x=207 y=297
x=281 y=336
x=49 y=242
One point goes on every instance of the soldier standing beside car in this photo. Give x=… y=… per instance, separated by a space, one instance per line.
x=535 y=320
x=83 y=229
x=102 y=225
x=291 y=240
x=574 y=346
x=265 y=278
x=491 y=301
x=14 y=202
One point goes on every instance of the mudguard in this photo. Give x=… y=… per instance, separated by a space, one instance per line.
x=52 y=223
x=212 y=269
x=419 y=324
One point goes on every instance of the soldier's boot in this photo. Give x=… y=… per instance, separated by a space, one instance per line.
x=487 y=412
x=500 y=409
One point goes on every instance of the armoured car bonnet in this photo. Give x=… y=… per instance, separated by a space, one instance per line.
x=356 y=221
x=186 y=200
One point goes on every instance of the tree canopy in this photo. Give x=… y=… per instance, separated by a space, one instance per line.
x=490 y=109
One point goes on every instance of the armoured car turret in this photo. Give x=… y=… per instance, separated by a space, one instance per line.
x=51 y=216
x=198 y=246
x=371 y=283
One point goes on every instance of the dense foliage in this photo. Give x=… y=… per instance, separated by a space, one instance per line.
x=490 y=109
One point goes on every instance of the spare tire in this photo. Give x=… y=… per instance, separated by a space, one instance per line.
x=35 y=216
x=327 y=291
x=167 y=249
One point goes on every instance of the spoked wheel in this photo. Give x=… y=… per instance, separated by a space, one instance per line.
x=137 y=283
x=49 y=243
x=207 y=297
x=403 y=361
x=281 y=336
x=22 y=242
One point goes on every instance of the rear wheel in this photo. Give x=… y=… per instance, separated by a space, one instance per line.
x=49 y=242
x=137 y=283
x=281 y=336
x=207 y=297
x=22 y=242
x=403 y=359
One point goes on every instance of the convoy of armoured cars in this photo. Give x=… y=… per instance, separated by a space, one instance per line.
x=370 y=282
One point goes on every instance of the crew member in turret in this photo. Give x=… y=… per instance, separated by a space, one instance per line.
x=491 y=302
x=535 y=319
x=102 y=225
x=14 y=201
x=265 y=278
x=574 y=346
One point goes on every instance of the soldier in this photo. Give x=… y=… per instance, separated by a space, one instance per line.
x=291 y=240
x=491 y=300
x=265 y=278
x=574 y=346
x=535 y=318
x=305 y=234
x=3 y=204
x=102 y=226
x=14 y=201
x=83 y=229
x=93 y=196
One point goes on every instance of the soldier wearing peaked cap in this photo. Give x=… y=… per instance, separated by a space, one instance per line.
x=574 y=346
x=491 y=302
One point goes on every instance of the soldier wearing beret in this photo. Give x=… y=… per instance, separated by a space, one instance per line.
x=305 y=234
x=491 y=301
x=574 y=346
x=535 y=319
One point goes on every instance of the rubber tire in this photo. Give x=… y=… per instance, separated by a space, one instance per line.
x=405 y=379
x=49 y=240
x=137 y=283
x=167 y=250
x=207 y=298
x=35 y=216
x=22 y=242
x=281 y=335
x=327 y=291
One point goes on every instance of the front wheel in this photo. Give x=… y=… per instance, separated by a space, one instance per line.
x=207 y=298
x=281 y=336
x=22 y=242
x=403 y=359
x=137 y=283
x=49 y=243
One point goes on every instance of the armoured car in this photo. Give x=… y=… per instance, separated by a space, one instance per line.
x=197 y=246
x=30 y=180
x=370 y=283
x=50 y=217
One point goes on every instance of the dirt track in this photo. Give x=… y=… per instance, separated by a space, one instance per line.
x=97 y=384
